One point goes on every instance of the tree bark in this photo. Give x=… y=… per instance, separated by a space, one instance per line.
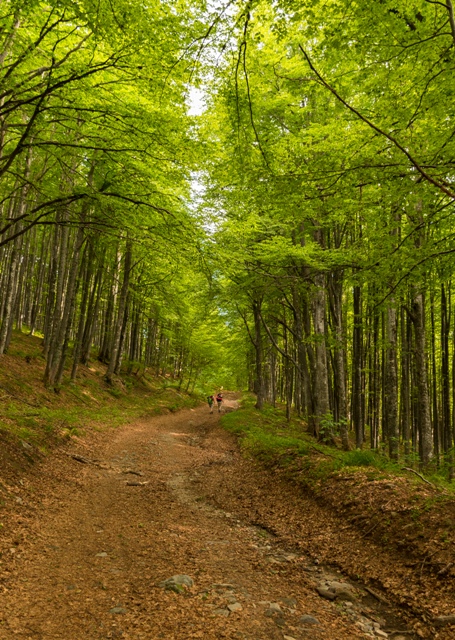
x=113 y=356
x=423 y=397
x=357 y=357
x=391 y=384
x=259 y=381
x=320 y=381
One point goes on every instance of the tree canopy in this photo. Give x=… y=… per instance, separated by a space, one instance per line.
x=295 y=237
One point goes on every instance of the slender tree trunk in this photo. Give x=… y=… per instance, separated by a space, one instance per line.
x=391 y=384
x=434 y=384
x=321 y=386
x=405 y=382
x=259 y=382
x=423 y=397
x=92 y=315
x=356 y=400
x=336 y=307
x=9 y=297
x=58 y=354
x=87 y=266
x=113 y=358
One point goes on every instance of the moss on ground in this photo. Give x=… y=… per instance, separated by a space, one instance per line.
x=33 y=414
x=269 y=437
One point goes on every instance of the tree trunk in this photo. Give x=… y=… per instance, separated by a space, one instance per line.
x=423 y=397
x=322 y=424
x=357 y=355
x=391 y=385
x=113 y=356
x=259 y=381
x=336 y=297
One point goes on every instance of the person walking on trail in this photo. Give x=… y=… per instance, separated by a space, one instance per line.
x=211 y=401
x=219 y=401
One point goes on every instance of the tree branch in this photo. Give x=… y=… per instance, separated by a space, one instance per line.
x=393 y=140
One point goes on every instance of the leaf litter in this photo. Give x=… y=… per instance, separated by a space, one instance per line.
x=90 y=552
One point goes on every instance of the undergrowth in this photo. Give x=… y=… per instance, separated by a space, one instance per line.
x=29 y=412
x=267 y=436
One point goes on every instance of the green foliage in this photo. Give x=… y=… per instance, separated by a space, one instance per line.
x=269 y=437
x=102 y=408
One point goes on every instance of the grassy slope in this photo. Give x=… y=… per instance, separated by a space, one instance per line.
x=392 y=506
x=34 y=419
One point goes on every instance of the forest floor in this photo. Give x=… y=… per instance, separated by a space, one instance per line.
x=89 y=533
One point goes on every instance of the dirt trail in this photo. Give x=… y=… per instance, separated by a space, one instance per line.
x=93 y=541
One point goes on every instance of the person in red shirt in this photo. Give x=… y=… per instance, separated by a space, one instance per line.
x=219 y=401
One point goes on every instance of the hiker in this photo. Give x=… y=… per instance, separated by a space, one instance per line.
x=219 y=400
x=210 y=400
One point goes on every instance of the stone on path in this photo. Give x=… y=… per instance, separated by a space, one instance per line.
x=178 y=583
x=333 y=589
x=289 y=602
x=222 y=612
x=103 y=554
x=117 y=610
x=325 y=593
x=309 y=620
x=236 y=606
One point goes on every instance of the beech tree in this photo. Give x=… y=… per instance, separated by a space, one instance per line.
x=332 y=187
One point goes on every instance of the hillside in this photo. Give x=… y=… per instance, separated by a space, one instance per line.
x=34 y=420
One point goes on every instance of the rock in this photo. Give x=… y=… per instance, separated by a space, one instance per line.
x=274 y=607
x=178 y=583
x=381 y=633
x=289 y=602
x=234 y=607
x=222 y=612
x=288 y=638
x=365 y=625
x=103 y=554
x=341 y=590
x=442 y=621
x=309 y=620
x=280 y=622
x=117 y=610
x=325 y=593
x=335 y=586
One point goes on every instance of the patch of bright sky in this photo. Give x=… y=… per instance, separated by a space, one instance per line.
x=196 y=102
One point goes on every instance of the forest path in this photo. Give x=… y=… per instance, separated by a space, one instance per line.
x=94 y=545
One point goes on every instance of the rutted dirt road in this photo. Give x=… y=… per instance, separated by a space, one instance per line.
x=92 y=540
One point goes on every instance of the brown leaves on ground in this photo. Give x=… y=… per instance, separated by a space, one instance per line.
x=83 y=552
